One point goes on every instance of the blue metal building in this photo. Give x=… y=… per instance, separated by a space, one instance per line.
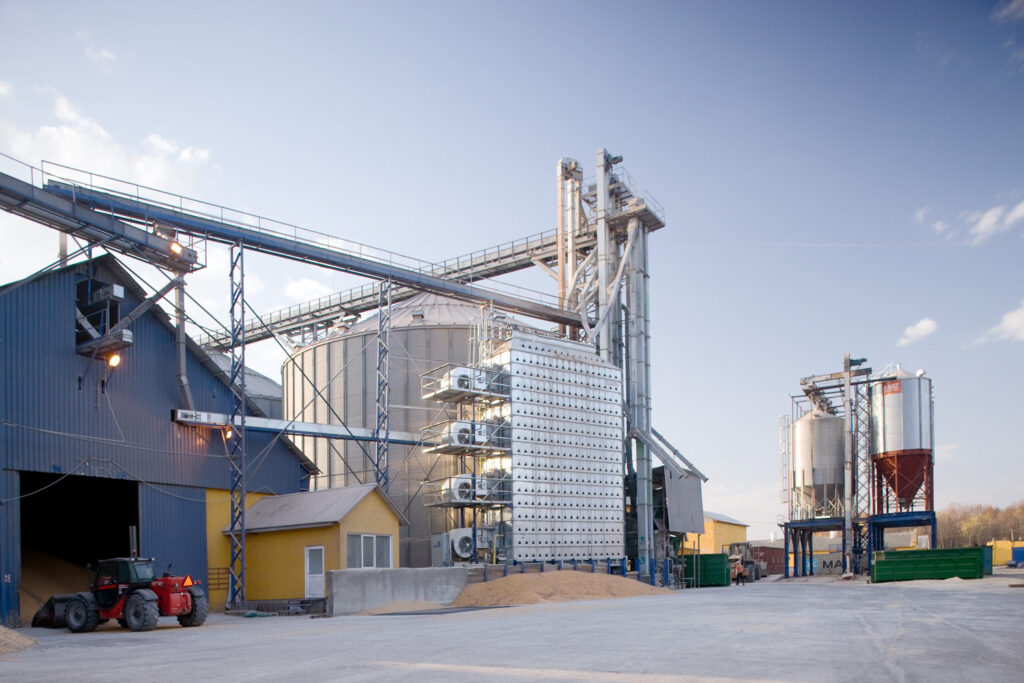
x=88 y=451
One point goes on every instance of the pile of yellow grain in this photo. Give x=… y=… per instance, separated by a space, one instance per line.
x=12 y=641
x=42 y=576
x=551 y=586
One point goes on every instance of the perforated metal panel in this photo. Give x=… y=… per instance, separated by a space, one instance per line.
x=566 y=434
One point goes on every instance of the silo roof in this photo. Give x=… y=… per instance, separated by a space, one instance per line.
x=427 y=310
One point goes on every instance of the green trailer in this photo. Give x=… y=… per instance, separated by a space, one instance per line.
x=940 y=563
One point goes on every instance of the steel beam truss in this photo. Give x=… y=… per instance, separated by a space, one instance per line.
x=236 y=440
x=381 y=433
x=313 y=320
x=315 y=249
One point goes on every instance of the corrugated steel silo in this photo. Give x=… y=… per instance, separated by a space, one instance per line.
x=901 y=440
x=426 y=331
x=817 y=469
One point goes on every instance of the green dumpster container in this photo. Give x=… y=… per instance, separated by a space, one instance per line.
x=714 y=569
x=943 y=563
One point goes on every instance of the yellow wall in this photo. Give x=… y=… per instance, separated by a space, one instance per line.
x=717 y=534
x=218 y=546
x=276 y=560
x=1002 y=551
x=371 y=516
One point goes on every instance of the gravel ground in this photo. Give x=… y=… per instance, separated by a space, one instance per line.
x=811 y=630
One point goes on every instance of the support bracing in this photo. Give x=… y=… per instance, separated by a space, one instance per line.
x=235 y=435
x=381 y=433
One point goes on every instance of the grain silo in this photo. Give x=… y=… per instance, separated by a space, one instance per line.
x=426 y=331
x=817 y=475
x=901 y=441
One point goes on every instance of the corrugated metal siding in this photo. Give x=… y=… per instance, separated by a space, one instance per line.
x=169 y=517
x=61 y=412
x=65 y=413
x=10 y=547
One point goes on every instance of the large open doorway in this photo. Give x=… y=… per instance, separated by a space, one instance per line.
x=65 y=524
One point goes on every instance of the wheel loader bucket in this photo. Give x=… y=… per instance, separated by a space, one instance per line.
x=51 y=614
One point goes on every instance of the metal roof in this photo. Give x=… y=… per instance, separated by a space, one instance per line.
x=424 y=309
x=310 y=509
x=722 y=518
x=257 y=385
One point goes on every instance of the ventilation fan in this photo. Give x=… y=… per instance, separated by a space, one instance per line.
x=462 y=543
x=460 y=488
x=461 y=378
x=462 y=433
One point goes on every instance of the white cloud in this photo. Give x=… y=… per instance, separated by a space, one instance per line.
x=1010 y=328
x=6 y=89
x=65 y=111
x=986 y=224
x=159 y=145
x=101 y=57
x=1016 y=214
x=169 y=148
x=918 y=331
x=74 y=139
x=1009 y=11
x=921 y=215
x=305 y=289
x=194 y=155
x=940 y=227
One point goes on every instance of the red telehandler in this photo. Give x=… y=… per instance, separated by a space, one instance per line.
x=126 y=589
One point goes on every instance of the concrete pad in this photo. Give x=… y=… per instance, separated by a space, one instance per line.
x=816 y=630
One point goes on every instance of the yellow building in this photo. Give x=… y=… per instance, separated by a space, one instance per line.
x=292 y=541
x=1002 y=551
x=719 y=532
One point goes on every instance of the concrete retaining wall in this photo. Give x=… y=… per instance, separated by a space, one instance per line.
x=356 y=590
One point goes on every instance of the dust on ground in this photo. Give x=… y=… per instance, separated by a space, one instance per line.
x=403 y=606
x=12 y=641
x=554 y=586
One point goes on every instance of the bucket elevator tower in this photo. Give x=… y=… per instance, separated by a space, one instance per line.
x=608 y=287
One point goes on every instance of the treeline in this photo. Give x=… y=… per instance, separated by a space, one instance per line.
x=966 y=525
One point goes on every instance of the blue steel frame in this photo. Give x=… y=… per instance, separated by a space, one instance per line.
x=382 y=431
x=877 y=524
x=802 y=532
x=236 y=445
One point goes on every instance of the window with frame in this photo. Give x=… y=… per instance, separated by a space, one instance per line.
x=369 y=551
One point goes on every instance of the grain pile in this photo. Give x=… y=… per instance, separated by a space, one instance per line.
x=12 y=641
x=553 y=586
x=42 y=576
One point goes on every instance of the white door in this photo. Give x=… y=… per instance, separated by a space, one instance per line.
x=314 y=571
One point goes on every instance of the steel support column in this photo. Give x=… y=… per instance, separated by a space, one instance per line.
x=236 y=435
x=639 y=392
x=848 y=420
x=606 y=258
x=380 y=464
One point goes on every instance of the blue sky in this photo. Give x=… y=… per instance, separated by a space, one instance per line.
x=833 y=175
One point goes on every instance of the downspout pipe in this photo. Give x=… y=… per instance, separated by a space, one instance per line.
x=181 y=346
